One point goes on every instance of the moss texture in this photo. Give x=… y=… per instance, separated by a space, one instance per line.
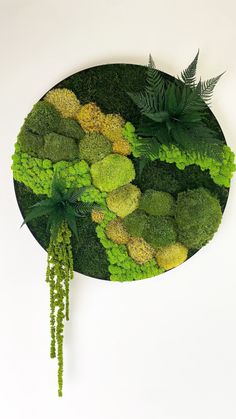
x=107 y=85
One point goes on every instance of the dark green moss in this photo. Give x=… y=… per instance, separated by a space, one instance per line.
x=167 y=177
x=88 y=254
x=30 y=143
x=70 y=128
x=58 y=147
x=43 y=118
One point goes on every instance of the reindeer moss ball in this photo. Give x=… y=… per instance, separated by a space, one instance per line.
x=58 y=147
x=157 y=203
x=43 y=118
x=171 y=256
x=139 y=250
x=93 y=147
x=160 y=231
x=112 y=172
x=112 y=126
x=124 y=200
x=65 y=101
x=90 y=117
x=70 y=128
x=135 y=223
x=30 y=143
x=116 y=231
x=198 y=217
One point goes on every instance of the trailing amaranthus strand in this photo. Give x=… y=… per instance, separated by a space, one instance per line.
x=59 y=274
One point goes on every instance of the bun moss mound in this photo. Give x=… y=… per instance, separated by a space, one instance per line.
x=112 y=172
x=124 y=200
x=157 y=203
x=94 y=147
x=198 y=217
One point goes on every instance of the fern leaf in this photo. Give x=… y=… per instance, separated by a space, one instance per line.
x=145 y=102
x=189 y=74
x=207 y=87
x=151 y=62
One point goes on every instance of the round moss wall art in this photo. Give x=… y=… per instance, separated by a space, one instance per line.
x=121 y=173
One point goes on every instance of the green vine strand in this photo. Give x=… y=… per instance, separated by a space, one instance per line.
x=59 y=273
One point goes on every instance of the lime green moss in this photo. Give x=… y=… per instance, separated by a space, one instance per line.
x=112 y=172
x=37 y=173
x=124 y=200
x=220 y=171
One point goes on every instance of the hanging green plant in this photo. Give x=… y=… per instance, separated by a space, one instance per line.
x=61 y=209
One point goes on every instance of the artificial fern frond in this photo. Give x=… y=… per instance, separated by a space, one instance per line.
x=145 y=102
x=155 y=82
x=151 y=62
x=206 y=88
x=189 y=74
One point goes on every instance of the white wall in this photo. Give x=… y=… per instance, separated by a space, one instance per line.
x=160 y=348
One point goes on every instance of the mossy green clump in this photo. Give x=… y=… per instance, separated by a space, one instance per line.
x=116 y=231
x=70 y=128
x=139 y=250
x=65 y=101
x=94 y=147
x=37 y=174
x=30 y=143
x=157 y=203
x=58 y=147
x=171 y=256
x=124 y=200
x=135 y=223
x=112 y=172
x=42 y=119
x=198 y=216
x=160 y=231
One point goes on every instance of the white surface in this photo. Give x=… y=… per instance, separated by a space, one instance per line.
x=160 y=348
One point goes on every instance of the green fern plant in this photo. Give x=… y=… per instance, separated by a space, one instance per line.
x=62 y=209
x=175 y=112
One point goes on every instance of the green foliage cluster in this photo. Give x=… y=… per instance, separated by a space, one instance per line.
x=157 y=203
x=198 y=217
x=124 y=200
x=112 y=172
x=220 y=171
x=94 y=147
x=174 y=112
x=43 y=119
x=37 y=174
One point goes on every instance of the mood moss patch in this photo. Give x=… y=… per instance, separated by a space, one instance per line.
x=121 y=173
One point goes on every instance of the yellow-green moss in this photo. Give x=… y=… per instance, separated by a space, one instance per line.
x=65 y=101
x=124 y=200
x=139 y=250
x=116 y=231
x=90 y=117
x=171 y=256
